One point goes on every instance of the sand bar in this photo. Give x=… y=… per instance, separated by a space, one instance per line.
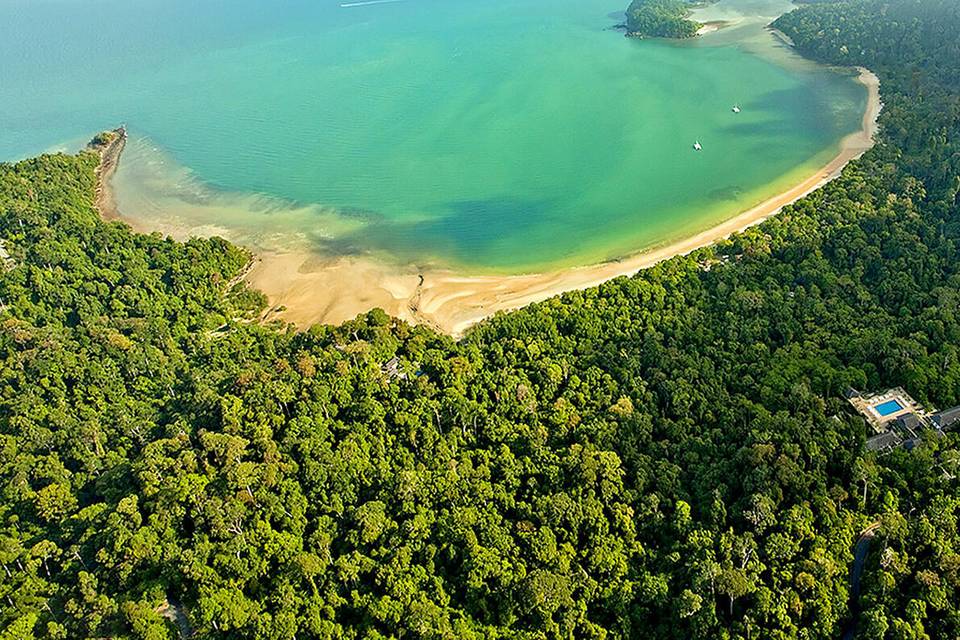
x=312 y=289
x=110 y=151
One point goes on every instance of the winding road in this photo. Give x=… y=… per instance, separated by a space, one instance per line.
x=174 y=612
x=859 y=559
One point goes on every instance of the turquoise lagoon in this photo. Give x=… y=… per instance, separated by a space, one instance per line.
x=494 y=136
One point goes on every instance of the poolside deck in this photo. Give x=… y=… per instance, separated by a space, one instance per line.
x=880 y=422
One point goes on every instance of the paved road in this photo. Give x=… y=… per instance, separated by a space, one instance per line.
x=173 y=611
x=859 y=559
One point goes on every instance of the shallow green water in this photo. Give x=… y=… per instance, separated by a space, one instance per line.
x=503 y=135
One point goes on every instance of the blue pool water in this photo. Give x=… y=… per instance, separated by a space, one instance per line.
x=888 y=407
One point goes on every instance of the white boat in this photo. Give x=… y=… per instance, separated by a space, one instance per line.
x=736 y=108
x=697 y=146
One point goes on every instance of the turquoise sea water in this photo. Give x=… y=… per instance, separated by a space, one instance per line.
x=503 y=135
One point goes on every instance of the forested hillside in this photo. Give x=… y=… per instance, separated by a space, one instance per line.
x=660 y=19
x=664 y=456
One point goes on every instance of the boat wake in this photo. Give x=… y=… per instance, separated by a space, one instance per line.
x=346 y=5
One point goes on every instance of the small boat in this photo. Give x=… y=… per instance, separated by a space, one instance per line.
x=697 y=146
x=736 y=108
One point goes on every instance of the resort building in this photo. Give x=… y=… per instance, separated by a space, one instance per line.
x=881 y=409
x=391 y=369
x=946 y=419
x=884 y=442
x=895 y=420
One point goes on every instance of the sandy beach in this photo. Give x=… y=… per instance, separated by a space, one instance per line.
x=110 y=152
x=787 y=40
x=304 y=288
x=711 y=27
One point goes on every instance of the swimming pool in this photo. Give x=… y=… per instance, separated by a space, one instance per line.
x=888 y=407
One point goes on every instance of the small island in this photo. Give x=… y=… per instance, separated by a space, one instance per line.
x=660 y=19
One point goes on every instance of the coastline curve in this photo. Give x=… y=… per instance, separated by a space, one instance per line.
x=306 y=289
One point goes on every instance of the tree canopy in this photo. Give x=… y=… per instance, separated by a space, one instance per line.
x=662 y=456
x=660 y=19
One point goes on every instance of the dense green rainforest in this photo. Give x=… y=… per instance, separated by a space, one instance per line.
x=663 y=456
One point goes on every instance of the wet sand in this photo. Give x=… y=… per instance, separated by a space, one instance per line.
x=305 y=289
x=110 y=152
x=711 y=27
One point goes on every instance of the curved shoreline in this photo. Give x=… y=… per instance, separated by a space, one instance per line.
x=306 y=289
x=110 y=151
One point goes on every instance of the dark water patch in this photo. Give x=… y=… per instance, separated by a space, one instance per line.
x=730 y=193
x=766 y=129
x=808 y=107
x=359 y=213
x=347 y=245
x=469 y=232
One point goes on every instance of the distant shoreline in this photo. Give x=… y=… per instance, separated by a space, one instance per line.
x=305 y=289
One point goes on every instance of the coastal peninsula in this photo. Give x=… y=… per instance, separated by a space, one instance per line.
x=660 y=19
x=109 y=145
